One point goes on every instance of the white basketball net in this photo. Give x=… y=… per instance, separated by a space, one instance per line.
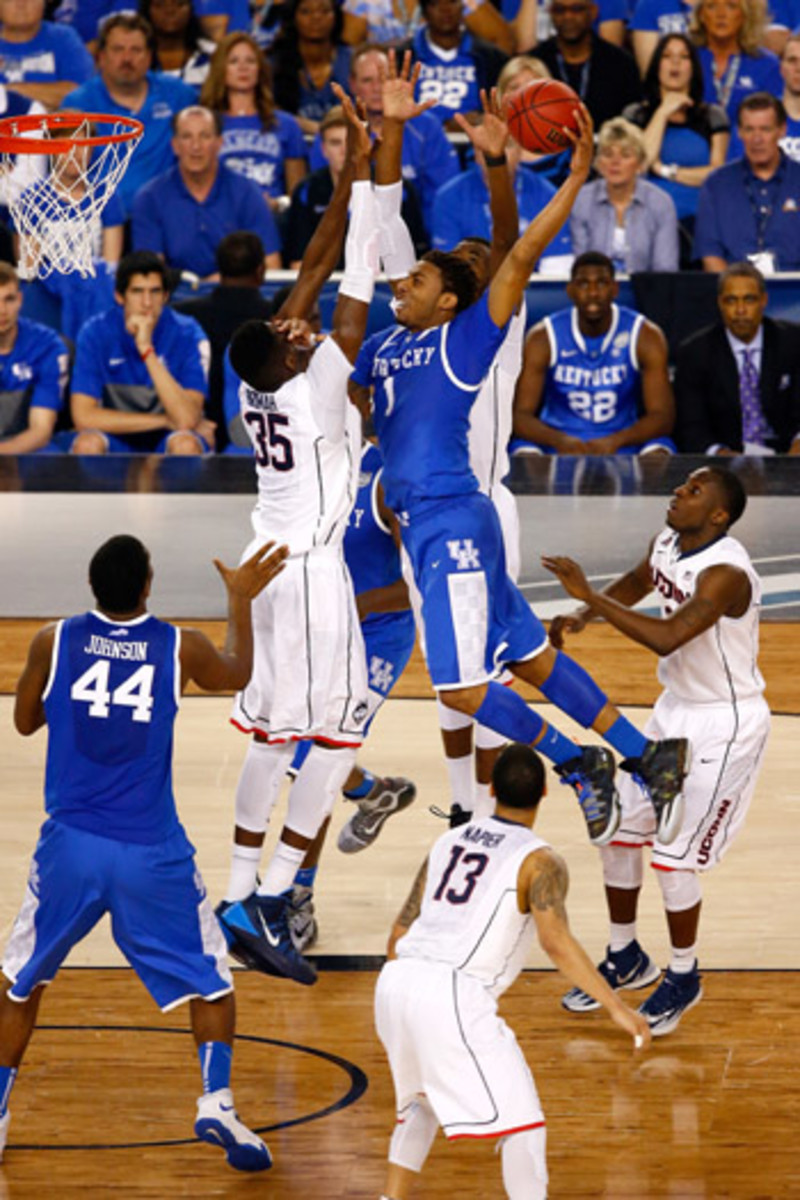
x=56 y=201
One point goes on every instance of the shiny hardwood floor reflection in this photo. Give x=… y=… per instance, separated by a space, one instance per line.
x=709 y=1112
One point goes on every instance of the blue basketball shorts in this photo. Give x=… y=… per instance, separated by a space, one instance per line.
x=161 y=917
x=388 y=642
x=475 y=619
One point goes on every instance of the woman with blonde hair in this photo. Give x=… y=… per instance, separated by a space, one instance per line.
x=729 y=35
x=620 y=214
x=516 y=75
x=259 y=141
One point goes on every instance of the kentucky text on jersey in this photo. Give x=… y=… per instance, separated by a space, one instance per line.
x=600 y=377
x=415 y=356
x=108 y=649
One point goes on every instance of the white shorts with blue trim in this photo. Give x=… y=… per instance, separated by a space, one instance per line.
x=161 y=917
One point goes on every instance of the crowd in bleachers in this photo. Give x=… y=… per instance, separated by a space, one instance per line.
x=697 y=114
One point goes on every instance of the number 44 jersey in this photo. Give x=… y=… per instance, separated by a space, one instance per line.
x=110 y=702
x=469 y=917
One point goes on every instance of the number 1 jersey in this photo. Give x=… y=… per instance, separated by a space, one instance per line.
x=469 y=917
x=110 y=702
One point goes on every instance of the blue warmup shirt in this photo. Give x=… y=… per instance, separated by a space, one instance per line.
x=257 y=153
x=153 y=155
x=593 y=385
x=748 y=73
x=462 y=209
x=85 y=15
x=661 y=16
x=109 y=368
x=451 y=78
x=54 y=55
x=32 y=375
x=169 y=221
x=110 y=704
x=425 y=384
x=790 y=145
x=237 y=12
x=738 y=214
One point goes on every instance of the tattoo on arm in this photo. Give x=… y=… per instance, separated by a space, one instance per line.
x=411 y=908
x=548 y=888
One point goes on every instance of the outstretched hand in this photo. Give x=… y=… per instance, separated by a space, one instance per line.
x=582 y=143
x=569 y=575
x=253 y=575
x=359 y=142
x=491 y=135
x=397 y=92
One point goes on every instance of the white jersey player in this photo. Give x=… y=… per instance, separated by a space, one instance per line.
x=309 y=676
x=707 y=640
x=462 y=938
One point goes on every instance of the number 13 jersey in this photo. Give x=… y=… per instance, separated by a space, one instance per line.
x=469 y=917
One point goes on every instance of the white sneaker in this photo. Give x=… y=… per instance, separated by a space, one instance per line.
x=218 y=1124
x=4 y=1124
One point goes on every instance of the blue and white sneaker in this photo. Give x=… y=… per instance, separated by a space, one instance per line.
x=5 y=1121
x=674 y=996
x=218 y=1124
x=235 y=947
x=260 y=925
x=627 y=969
x=591 y=775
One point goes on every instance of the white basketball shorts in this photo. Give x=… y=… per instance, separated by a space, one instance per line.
x=309 y=670
x=444 y=1040
x=727 y=746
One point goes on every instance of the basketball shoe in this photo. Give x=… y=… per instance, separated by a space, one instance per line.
x=260 y=924
x=674 y=996
x=387 y=796
x=5 y=1121
x=591 y=775
x=660 y=772
x=302 y=922
x=235 y=947
x=629 y=968
x=218 y=1124
x=456 y=817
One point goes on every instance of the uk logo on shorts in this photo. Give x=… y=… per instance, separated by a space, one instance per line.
x=381 y=674
x=465 y=554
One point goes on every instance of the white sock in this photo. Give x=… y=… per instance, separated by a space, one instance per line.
x=484 y=800
x=244 y=868
x=683 y=958
x=621 y=936
x=281 y=870
x=462 y=781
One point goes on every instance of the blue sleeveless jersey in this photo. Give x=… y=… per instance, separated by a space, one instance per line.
x=593 y=385
x=110 y=704
x=425 y=384
x=369 y=548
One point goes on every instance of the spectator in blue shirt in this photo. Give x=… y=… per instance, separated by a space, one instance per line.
x=140 y=376
x=308 y=55
x=219 y=17
x=455 y=66
x=126 y=85
x=730 y=38
x=86 y=17
x=33 y=374
x=39 y=59
x=182 y=50
x=790 y=70
x=258 y=140
x=750 y=209
x=184 y=214
x=653 y=20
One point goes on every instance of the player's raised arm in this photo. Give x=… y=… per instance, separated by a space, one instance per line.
x=217 y=670
x=490 y=137
x=508 y=285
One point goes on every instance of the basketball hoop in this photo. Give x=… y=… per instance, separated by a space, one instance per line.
x=73 y=164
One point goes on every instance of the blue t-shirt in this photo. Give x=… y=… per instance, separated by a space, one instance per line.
x=738 y=215
x=687 y=148
x=81 y=297
x=745 y=74
x=237 y=12
x=451 y=79
x=461 y=209
x=32 y=375
x=790 y=145
x=110 y=708
x=316 y=101
x=169 y=221
x=593 y=387
x=424 y=385
x=661 y=16
x=258 y=153
x=54 y=55
x=85 y=16
x=153 y=155
x=109 y=368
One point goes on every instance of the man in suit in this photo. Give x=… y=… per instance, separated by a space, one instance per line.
x=737 y=383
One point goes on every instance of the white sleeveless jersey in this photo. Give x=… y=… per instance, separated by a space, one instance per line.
x=306 y=483
x=719 y=666
x=469 y=917
x=490 y=417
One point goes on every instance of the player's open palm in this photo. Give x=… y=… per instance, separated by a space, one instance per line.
x=253 y=575
x=399 y=85
x=491 y=135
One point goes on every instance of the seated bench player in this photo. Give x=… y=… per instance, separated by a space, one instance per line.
x=141 y=371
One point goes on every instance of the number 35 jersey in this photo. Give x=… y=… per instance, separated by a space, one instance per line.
x=307 y=443
x=110 y=702
x=593 y=385
x=469 y=917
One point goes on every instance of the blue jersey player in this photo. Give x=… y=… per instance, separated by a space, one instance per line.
x=424 y=374
x=107 y=684
x=594 y=377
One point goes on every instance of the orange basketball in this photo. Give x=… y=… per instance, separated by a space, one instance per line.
x=538 y=114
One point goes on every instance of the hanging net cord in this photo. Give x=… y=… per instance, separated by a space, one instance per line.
x=58 y=215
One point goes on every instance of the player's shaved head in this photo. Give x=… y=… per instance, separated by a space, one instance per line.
x=119 y=573
x=258 y=356
x=518 y=777
x=732 y=493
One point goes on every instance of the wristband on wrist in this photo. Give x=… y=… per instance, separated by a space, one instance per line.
x=495 y=160
x=143 y=354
